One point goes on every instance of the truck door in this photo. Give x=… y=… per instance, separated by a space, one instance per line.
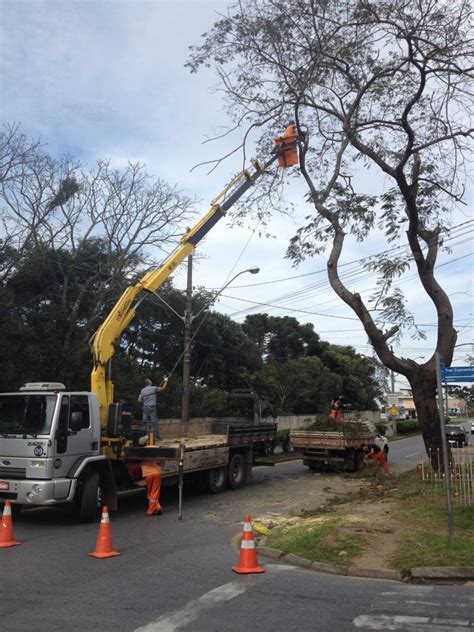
x=74 y=436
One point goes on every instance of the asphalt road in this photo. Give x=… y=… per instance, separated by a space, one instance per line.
x=405 y=454
x=177 y=575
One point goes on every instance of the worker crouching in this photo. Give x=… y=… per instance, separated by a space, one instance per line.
x=376 y=454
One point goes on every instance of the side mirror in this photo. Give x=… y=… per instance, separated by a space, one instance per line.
x=75 y=422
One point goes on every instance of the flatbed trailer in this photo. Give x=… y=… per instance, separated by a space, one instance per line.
x=217 y=453
x=336 y=449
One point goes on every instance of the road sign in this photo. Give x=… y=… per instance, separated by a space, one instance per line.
x=393 y=410
x=455 y=374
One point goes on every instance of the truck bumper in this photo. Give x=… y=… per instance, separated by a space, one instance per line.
x=40 y=492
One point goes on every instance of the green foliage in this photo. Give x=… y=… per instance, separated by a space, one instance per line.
x=422 y=510
x=283 y=439
x=368 y=96
x=321 y=539
x=299 y=386
x=60 y=283
x=209 y=402
x=282 y=338
x=405 y=426
x=348 y=429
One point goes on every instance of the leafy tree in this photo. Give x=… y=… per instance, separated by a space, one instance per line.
x=385 y=89
x=307 y=385
x=70 y=240
x=299 y=386
x=280 y=338
x=359 y=376
x=208 y=402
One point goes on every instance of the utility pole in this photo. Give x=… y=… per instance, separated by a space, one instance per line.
x=394 y=416
x=188 y=317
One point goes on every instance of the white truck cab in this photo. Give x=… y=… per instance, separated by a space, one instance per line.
x=49 y=446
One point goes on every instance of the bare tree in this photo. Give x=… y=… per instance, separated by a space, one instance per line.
x=381 y=91
x=112 y=223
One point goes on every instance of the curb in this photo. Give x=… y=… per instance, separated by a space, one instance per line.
x=426 y=574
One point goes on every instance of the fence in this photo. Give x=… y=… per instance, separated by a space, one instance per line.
x=461 y=475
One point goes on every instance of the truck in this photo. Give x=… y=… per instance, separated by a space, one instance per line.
x=338 y=448
x=59 y=446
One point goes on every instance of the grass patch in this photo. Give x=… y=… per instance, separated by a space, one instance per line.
x=323 y=539
x=354 y=525
x=422 y=511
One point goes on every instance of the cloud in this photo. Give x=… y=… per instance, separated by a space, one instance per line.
x=102 y=78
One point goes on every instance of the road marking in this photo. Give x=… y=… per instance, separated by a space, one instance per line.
x=407 y=624
x=190 y=612
x=407 y=456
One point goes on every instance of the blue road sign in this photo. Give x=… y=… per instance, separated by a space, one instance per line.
x=458 y=374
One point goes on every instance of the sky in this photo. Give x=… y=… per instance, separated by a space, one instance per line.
x=106 y=79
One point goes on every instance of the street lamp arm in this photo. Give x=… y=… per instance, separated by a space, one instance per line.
x=252 y=270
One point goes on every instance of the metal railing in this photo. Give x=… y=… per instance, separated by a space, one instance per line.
x=461 y=474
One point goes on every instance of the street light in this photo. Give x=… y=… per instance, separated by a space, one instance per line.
x=251 y=270
x=188 y=319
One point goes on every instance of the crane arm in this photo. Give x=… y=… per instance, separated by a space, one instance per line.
x=105 y=339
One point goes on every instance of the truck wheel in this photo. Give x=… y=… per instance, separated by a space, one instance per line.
x=88 y=502
x=236 y=471
x=216 y=480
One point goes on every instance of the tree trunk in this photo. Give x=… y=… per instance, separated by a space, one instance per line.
x=424 y=389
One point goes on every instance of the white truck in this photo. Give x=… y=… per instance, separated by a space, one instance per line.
x=50 y=451
x=58 y=446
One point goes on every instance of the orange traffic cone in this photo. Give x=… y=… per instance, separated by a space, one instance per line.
x=6 y=528
x=248 y=555
x=103 y=547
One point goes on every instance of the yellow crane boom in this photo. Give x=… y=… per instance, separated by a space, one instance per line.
x=105 y=339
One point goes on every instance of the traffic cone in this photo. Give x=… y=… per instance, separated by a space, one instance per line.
x=6 y=529
x=104 y=547
x=248 y=555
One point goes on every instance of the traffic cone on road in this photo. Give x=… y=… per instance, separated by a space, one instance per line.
x=104 y=547
x=6 y=528
x=248 y=555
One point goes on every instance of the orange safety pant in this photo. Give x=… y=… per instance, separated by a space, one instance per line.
x=153 y=488
x=336 y=415
x=380 y=461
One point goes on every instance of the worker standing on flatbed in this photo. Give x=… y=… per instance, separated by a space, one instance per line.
x=147 y=397
x=337 y=406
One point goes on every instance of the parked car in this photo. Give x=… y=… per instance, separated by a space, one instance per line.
x=472 y=427
x=456 y=435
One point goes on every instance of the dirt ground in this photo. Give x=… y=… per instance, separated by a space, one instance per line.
x=290 y=491
x=374 y=519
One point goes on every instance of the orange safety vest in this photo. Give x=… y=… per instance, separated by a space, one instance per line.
x=287 y=143
x=150 y=468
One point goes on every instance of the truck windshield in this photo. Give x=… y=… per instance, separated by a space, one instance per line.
x=26 y=414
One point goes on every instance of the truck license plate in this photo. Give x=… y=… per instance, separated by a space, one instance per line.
x=4 y=485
